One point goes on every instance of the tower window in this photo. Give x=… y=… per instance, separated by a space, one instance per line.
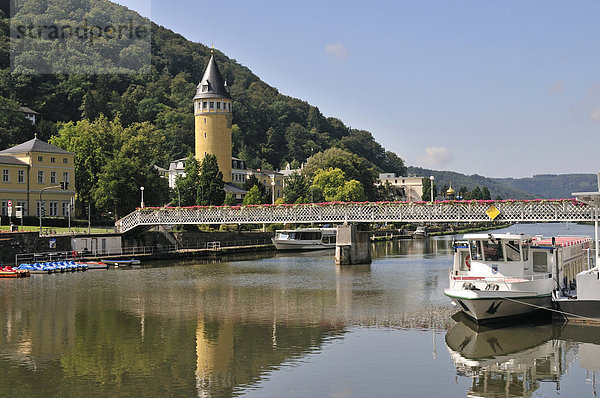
x=204 y=135
x=218 y=105
x=212 y=104
x=204 y=105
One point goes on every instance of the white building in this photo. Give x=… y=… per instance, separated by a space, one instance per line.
x=413 y=186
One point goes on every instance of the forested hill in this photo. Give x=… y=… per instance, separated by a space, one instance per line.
x=270 y=129
x=548 y=186
x=552 y=186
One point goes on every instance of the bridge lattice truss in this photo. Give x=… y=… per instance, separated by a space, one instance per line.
x=561 y=210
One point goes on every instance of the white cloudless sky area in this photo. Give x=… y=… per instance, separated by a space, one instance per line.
x=501 y=89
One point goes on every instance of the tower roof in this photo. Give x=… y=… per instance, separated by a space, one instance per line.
x=212 y=84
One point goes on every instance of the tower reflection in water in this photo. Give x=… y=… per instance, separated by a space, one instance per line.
x=514 y=361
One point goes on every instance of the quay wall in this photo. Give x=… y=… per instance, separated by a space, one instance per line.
x=193 y=239
x=13 y=243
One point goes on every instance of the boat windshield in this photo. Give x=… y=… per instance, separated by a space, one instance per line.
x=492 y=250
x=513 y=252
x=475 y=250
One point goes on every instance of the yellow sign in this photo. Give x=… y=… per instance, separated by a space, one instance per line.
x=492 y=212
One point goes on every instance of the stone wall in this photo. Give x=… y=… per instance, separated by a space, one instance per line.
x=13 y=243
x=194 y=239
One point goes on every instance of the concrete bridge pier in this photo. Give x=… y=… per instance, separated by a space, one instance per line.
x=353 y=246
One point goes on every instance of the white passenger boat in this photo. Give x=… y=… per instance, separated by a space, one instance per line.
x=305 y=239
x=501 y=275
x=421 y=232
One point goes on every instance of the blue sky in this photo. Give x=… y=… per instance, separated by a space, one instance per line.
x=501 y=89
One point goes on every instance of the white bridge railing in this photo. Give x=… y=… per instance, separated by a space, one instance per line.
x=560 y=210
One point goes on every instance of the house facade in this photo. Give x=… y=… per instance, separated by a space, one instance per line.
x=38 y=178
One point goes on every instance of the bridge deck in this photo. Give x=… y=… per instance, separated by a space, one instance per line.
x=559 y=210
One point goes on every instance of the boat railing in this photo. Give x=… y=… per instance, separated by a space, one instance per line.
x=504 y=279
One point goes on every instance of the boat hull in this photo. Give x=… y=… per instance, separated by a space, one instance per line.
x=301 y=245
x=485 y=306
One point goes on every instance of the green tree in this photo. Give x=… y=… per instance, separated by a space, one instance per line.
x=253 y=197
x=485 y=193
x=230 y=199
x=118 y=188
x=476 y=193
x=427 y=190
x=354 y=167
x=334 y=186
x=295 y=186
x=187 y=186
x=210 y=186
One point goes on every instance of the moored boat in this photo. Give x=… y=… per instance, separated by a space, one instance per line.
x=502 y=275
x=10 y=272
x=421 y=232
x=305 y=239
x=120 y=261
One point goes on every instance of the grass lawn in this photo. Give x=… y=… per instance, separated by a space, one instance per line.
x=61 y=230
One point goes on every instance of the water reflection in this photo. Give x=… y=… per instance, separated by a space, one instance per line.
x=514 y=361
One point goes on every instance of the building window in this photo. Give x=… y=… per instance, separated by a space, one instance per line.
x=205 y=135
x=212 y=104
x=21 y=175
x=65 y=177
x=40 y=176
x=65 y=209
x=218 y=104
x=23 y=207
x=40 y=159
x=53 y=177
x=39 y=208
x=5 y=207
x=53 y=209
x=65 y=160
x=204 y=105
x=52 y=160
x=5 y=175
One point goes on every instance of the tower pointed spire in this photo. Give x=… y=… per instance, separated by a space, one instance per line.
x=212 y=84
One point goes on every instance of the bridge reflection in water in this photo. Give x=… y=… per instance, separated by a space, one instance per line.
x=514 y=361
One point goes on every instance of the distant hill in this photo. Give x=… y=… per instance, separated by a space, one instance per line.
x=552 y=186
x=548 y=186
x=459 y=180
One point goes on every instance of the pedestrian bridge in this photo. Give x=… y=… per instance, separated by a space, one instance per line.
x=539 y=210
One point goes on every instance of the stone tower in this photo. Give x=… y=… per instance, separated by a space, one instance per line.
x=212 y=114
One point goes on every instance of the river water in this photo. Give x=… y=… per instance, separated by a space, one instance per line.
x=280 y=325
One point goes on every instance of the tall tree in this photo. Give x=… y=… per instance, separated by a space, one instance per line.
x=294 y=187
x=210 y=186
x=187 y=186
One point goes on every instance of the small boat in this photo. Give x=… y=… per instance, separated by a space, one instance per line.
x=421 y=232
x=93 y=264
x=10 y=272
x=305 y=239
x=117 y=262
x=503 y=275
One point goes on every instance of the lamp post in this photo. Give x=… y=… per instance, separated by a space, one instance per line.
x=431 y=187
x=273 y=188
x=142 y=190
x=178 y=196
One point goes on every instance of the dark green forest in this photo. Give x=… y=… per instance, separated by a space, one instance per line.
x=270 y=129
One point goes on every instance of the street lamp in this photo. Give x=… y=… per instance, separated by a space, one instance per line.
x=142 y=190
x=431 y=187
x=273 y=188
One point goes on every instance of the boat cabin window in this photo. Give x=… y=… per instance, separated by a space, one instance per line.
x=475 y=250
x=309 y=235
x=540 y=262
x=525 y=251
x=328 y=239
x=513 y=252
x=282 y=235
x=493 y=250
x=463 y=261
